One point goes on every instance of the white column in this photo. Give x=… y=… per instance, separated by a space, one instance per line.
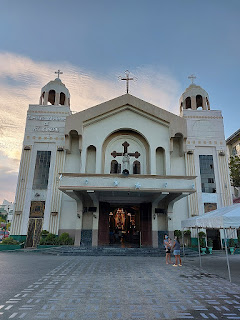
x=95 y=226
x=79 y=219
x=204 y=103
x=193 y=103
x=152 y=160
x=57 y=99
x=98 y=160
x=83 y=157
x=154 y=226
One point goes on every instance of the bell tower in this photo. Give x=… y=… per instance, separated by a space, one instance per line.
x=205 y=151
x=194 y=98
x=38 y=199
x=55 y=93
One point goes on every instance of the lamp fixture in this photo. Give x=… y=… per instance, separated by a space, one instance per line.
x=116 y=183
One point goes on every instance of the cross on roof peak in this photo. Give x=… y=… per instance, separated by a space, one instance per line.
x=127 y=79
x=58 y=73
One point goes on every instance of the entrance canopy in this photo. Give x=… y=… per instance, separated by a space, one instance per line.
x=115 y=188
x=226 y=217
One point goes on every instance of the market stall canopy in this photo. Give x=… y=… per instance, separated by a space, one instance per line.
x=226 y=217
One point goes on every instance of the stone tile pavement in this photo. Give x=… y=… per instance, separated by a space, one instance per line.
x=124 y=288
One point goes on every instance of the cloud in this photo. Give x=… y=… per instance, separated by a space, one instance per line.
x=21 y=80
x=8 y=177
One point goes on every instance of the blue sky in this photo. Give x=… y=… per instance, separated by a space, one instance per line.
x=93 y=42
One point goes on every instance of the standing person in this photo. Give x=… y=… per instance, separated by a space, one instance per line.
x=176 y=252
x=167 y=246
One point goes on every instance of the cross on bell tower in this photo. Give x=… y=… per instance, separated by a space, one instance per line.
x=58 y=73
x=192 y=77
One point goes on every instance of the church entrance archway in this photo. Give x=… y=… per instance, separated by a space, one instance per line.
x=126 y=226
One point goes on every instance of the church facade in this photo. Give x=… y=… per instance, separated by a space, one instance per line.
x=120 y=173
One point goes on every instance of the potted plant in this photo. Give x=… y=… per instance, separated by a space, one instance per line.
x=187 y=237
x=231 y=244
x=210 y=245
x=178 y=233
x=202 y=236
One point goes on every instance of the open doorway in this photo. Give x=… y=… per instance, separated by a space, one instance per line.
x=214 y=234
x=125 y=225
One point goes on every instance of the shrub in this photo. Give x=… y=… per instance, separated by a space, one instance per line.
x=51 y=239
x=178 y=233
x=9 y=240
x=187 y=232
x=210 y=243
x=202 y=234
x=231 y=242
x=202 y=242
x=44 y=232
x=64 y=239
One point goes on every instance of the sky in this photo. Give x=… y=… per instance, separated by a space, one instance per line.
x=93 y=42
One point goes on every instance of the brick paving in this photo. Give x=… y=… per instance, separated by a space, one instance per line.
x=124 y=288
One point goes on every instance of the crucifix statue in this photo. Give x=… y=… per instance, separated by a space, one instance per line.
x=192 y=77
x=125 y=152
x=58 y=73
x=127 y=79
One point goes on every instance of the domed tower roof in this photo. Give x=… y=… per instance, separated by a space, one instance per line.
x=55 y=93
x=194 y=98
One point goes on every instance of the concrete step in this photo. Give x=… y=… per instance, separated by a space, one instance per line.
x=108 y=251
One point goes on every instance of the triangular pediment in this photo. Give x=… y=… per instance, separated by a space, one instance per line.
x=126 y=102
x=127 y=107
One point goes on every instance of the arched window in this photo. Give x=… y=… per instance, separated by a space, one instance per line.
x=188 y=103
x=115 y=167
x=42 y=98
x=136 y=167
x=51 y=96
x=199 y=101
x=62 y=98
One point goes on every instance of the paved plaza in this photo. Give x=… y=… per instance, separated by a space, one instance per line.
x=37 y=286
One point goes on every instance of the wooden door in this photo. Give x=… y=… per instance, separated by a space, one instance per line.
x=146 y=224
x=103 y=225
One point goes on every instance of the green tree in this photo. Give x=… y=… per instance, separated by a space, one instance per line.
x=3 y=219
x=234 y=166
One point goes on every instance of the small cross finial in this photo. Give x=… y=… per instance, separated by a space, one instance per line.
x=192 y=77
x=127 y=79
x=58 y=73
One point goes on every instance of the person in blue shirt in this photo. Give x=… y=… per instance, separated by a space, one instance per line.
x=176 y=252
x=167 y=246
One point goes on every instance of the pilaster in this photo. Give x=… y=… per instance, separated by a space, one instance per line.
x=79 y=219
x=21 y=192
x=56 y=194
x=191 y=171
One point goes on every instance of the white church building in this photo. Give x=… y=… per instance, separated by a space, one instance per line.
x=124 y=172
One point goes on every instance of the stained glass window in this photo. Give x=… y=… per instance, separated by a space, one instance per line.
x=207 y=174
x=40 y=180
